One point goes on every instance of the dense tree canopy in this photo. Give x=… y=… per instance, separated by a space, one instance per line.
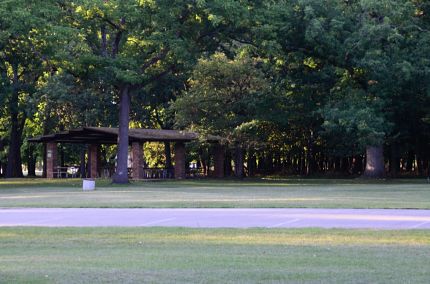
x=294 y=87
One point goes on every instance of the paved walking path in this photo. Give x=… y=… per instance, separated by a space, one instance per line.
x=217 y=218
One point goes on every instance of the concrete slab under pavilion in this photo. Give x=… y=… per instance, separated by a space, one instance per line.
x=94 y=137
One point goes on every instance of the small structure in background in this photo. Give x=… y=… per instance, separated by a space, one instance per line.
x=96 y=136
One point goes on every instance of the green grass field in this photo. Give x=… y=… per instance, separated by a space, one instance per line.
x=161 y=255
x=227 y=193
x=179 y=255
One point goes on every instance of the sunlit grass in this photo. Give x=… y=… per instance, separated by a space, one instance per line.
x=179 y=255
x=215 y=193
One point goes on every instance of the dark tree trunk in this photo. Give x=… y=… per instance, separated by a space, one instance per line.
x=227 y=163
x=345 y=165
x=311 y=164
x=310 y=157
x=394 y=160
x=358 y=165
x=168 y=154
x=337 y=164
x=121 y=174
x=420 y=166
x=13 y=167
x=374 y=162
x=269 y=162
x=31 y=161
x=252 y=163
x=260 y=164
x=204 y=164
x=287 y=163
x=410 y=161
x=302 y=170
x=424 y=168
x=238 y=161
x=428 y=170
x=278 y=163
x=203 y=160
x=208 y=166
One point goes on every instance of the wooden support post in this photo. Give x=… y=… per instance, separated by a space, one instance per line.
x=180 y=160
x=219 y=160
x=93 y=159
x=137 y=160
x=51 y=159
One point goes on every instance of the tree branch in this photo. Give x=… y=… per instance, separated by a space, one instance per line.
x=161 y=55
x=116 y=42
x=104 y=40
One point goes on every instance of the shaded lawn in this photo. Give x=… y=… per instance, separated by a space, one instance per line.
x=167 y=255
x=316 y=193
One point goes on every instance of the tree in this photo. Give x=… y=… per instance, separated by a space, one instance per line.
x=24 y=46
x=223 y=96
x=131 y=44
x=366 y=46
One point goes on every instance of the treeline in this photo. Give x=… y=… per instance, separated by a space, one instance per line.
x=300 y=87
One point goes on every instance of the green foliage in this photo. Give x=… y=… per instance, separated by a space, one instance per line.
x=223 y=95
x=352 y=123
x=302 y=78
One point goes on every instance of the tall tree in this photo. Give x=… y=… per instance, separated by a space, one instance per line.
x=131 y=44
x=223 y=99
x=24 y=45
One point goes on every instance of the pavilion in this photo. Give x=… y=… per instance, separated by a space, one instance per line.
x=96 y=136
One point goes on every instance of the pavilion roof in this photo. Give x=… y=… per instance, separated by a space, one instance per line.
x=108 y=135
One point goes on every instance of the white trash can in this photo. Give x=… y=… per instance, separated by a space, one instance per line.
x=88 y=184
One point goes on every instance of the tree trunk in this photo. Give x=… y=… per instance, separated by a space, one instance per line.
x=31 y=161
x=252 y=163
x=394 y=160
x=374 y=162
x=13 y=167
x=310 y=156
x=425 y=169
x=410 y=161
x=204 y=164
x=302 y=169
x=238 y=161
x=121 y=174
x=269 y=162
x=357 y=166
x=227 y=163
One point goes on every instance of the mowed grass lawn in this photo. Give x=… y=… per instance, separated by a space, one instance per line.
x=224 y=193
x=178 y=255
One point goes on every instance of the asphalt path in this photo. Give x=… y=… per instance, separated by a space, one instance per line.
x=216 y=218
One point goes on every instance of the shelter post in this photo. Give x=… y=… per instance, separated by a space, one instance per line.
x=51 y=159
x=137 y=160
x=94 y=158
x=180 y=160
x=219 y=160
